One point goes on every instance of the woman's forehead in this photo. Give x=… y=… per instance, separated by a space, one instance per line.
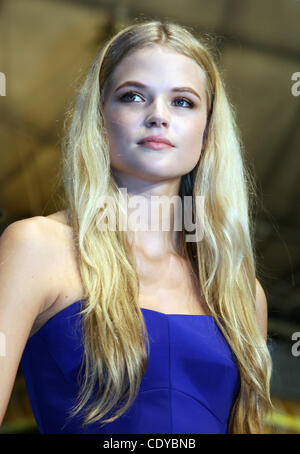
x=157 y=66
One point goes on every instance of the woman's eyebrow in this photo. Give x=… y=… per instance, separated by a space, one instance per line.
x=134 y=83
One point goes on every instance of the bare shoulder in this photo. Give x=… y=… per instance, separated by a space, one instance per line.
x=39 y=233
x=60 y=217
x=37 y=225
x=35 y=245
x=261 y=309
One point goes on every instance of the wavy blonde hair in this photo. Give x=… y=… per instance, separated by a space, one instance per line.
x=115 y=336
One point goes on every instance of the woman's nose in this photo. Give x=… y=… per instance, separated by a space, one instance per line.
x=156 y=120
x=158 y=115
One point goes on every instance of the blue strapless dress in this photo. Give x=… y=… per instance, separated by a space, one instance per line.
x=190 y=384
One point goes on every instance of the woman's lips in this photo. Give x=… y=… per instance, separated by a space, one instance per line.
x=155 y=145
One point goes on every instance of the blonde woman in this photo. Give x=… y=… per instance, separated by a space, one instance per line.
x=127 y=330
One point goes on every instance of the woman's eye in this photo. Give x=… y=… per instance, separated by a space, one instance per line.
x=191 y=104
x=131 y=94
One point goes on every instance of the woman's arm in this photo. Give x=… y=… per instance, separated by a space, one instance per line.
x=25 y=260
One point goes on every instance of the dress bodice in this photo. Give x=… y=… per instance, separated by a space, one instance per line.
x=189 y=387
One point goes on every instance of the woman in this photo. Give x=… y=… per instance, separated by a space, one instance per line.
x=170 y=333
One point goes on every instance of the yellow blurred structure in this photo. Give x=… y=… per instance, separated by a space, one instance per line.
x=285 y=419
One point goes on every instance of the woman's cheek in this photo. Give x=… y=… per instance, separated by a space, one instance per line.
x=126 y=123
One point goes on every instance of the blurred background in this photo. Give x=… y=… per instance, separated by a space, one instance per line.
x=46 y=49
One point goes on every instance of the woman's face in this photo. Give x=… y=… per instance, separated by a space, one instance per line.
x=134 y=112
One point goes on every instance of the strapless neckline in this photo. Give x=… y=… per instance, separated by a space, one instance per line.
x=189 y=385
x=143 y=309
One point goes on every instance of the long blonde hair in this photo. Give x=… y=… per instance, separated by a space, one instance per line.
x=115 y=337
